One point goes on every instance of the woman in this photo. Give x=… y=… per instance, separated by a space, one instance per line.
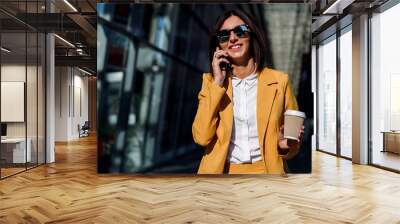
x=241 y=104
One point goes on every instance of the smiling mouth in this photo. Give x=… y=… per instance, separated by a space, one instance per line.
x=236 y=46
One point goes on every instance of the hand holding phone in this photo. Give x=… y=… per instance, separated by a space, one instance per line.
x=220 y=65
x=224 y=66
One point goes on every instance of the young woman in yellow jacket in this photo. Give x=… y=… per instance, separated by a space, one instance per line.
x=239 y=119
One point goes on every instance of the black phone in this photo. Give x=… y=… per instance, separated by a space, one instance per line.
x=225 y=66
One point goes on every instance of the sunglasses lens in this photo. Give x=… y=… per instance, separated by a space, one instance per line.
x=223 y=39
x=240 y=31
x=223 y=36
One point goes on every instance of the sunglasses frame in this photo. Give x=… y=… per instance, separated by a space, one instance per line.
x=243 y=29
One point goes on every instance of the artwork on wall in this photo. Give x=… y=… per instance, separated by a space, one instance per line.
x=12 y=101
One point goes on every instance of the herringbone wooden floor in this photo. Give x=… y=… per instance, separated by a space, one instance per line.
x=70 y=191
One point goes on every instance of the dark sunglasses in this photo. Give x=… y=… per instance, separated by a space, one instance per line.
x=240 y=31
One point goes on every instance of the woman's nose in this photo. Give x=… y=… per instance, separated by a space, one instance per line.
x=232 y=37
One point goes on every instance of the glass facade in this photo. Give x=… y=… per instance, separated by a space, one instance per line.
x=335 y=108
x=346 y=92
x=327 y=96
x=145 y=86
x=385 y=89
x=22 y=79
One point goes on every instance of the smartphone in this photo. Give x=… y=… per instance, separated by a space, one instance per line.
x=225 y=66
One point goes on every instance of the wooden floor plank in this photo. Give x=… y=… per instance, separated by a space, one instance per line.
x=71 y=191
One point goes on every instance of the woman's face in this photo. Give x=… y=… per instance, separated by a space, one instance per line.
x=237 y=48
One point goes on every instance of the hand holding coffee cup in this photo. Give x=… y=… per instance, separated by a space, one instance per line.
x=291 y=133
x=293 y=124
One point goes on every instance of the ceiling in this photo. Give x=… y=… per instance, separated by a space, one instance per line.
x=330 y=15
x=75 y=21
x=72 y=20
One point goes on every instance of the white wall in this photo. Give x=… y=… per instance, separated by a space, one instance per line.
x=80 y=89
x=13 y=101
x=33 y=126
x=12 y=73
x=62 y=81
x=71 y=94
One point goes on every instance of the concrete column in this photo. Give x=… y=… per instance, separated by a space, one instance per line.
x=50 y=93
x=360 y=90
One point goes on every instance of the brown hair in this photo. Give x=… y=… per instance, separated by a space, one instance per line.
x=257 y=43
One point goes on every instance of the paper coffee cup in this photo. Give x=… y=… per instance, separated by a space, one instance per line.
x=293 y=122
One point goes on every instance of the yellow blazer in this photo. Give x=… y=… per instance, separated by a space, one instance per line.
x=212 y=126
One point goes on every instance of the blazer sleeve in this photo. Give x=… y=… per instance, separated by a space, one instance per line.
x=206 y=119
x=290 y=104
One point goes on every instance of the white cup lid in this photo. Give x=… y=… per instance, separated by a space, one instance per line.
x=295 y=113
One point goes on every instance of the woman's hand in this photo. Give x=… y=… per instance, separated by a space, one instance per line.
x=286 y=144
x=218 y=73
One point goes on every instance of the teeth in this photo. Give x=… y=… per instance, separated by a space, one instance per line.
x=236 y=46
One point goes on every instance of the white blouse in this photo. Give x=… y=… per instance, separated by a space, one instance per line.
x=244 y=146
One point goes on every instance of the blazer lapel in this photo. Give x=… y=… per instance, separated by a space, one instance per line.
x=266 y=92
